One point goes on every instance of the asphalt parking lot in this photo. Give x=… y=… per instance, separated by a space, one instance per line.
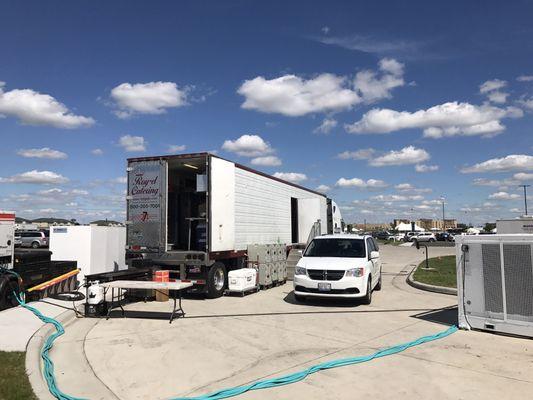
x=232 y=341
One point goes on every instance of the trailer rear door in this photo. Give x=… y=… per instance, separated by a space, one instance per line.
x=146 y=205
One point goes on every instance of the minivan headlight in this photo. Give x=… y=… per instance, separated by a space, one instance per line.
x=300 y=271
x=355 y=272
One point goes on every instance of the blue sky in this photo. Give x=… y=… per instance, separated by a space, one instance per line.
x=397 y=87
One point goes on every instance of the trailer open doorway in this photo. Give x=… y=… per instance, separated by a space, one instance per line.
x=294 y=220
x=187 y=204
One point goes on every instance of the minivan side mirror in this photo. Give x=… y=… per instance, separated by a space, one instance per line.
x=374 y=254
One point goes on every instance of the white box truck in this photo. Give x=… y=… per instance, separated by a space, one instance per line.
x=197 y=213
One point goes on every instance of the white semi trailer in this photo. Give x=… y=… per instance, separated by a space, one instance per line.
x=197 y=213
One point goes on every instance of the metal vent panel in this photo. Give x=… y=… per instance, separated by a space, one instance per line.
x=492 y=278
x=518 y=281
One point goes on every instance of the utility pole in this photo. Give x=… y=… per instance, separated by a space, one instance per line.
x=443 y=219
x=525 y=195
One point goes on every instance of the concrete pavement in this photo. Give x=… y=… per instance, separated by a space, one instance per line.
x=232 y=341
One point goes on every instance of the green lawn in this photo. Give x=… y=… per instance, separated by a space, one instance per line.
x=14 y=383
x=443 y=273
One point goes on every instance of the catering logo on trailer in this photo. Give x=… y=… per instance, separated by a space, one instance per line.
x=143 y=185
x=145 y=188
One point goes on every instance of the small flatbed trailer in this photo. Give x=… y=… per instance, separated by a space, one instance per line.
x=39 y=276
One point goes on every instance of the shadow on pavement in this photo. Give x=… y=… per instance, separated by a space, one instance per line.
x=444 y=316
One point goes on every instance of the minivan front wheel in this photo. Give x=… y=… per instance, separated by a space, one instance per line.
x=368 y=296
x=378 y=285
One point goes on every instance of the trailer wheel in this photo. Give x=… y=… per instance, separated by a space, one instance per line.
x=216 y=280
x=7 y=298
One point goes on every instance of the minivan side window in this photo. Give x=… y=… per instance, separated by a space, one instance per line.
x=370 y=246
x=376 y=246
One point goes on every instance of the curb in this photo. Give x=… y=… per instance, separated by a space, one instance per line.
x=429 y=288
x=33 y=362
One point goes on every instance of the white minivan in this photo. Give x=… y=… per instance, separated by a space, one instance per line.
x=338 y=266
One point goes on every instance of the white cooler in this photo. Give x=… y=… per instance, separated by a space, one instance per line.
x=242 y=280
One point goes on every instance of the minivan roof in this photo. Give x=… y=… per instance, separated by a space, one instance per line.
x=342 y=236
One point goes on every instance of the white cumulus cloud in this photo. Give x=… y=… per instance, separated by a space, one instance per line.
x=294 y=177
x=266 y=161
x=362 y=154
x=373 y=86
x=294 y=96
x=493 y=91
x=492 y=85
x=132 y=143
x=37 y=177
x=97 y=152
x=504 y=196
x=405 y=156
x=397 y=197
x=511 y=162
x=448 y=119
x=248 y=146
x=176 y=148
x=326 y=126
x=525 y=78
x=522 y=176
x=44 y=152
x=34 y=108
x=323 y=188
x=147 y=98
x=361 y=183
x=426 y=168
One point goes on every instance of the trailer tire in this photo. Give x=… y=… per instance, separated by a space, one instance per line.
x=7 y=299
x=216 y=280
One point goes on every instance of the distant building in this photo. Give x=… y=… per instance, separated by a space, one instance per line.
x=372 y=227
x=429 y=224
x=397 y=222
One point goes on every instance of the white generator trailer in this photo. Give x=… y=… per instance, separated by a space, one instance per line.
x=196 y=214
x=495 y=283
x=96 y=249
x=7 y=239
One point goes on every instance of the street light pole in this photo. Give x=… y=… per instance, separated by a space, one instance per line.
x=525 y=195
x=443 y=219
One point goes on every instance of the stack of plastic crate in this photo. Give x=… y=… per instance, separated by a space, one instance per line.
x=260 y=258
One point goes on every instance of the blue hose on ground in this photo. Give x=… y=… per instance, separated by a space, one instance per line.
x=298 y=376
x=48 y=369
x=235 y=391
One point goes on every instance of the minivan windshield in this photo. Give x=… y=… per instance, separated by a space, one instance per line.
x=336 y=248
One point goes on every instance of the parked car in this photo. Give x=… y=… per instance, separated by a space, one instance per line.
x=397 y=237
x=339 y=266
x=382 y=235
x=408 y=237
x=425 y=237
x=445 y=237
x=34 y=239
x=18 y=240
